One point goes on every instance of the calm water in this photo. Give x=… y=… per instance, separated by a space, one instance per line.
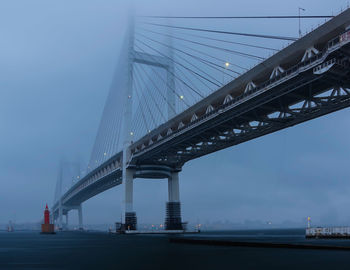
x=79 y=250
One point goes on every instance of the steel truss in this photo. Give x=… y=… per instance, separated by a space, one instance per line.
x=309 y=96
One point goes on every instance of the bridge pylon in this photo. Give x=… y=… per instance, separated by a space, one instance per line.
x=173 y=207
x=128 y=172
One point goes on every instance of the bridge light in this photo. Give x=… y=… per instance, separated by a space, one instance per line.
x=131 y=133
x=104 y=153
x=181 y=97
x=149 y=131
x=129 y=96
x=227 y=64
x=78 y=177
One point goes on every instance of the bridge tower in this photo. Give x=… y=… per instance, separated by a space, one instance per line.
x=63 y=210
x=129 y=173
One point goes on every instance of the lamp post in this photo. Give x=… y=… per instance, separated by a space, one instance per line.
x=300 y=9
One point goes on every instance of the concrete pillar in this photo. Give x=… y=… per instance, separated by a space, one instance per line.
x=80 y=215
x=60 y=218
x=130 y=215
x=127 y=176
x=173 y=206
x=67 y=220
x=173 y=188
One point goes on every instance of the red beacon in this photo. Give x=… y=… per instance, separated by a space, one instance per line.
x=46 y=215
x=47 y=228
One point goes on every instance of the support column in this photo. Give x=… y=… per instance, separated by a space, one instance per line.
x=127 y=175
x=67 y=221
x=60 y=218
x=130 y=215
x=173 y=206
x=80 y=214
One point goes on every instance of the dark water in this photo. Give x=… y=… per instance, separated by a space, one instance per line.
x=80 y=250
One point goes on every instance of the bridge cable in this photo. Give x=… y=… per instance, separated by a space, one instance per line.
x=218 y=59
x=111 y=131
x=224 y=32
x=137 y=121
x=141 y=107
x=242 y=17
x=137 y=82
x=214 y=39
x=108 y=134
x=256 y=57
x=96 y=147
x=207 y=62
x=188 y=54
x=159 y=91
x=157 y=105
x=189 y=69
x=194 y=90
x=173 y=90
x=145 y=96
x=202 y=44
x=194 y=72
x=153 y=69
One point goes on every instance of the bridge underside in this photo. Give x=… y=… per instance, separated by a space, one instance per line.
x=302 y=98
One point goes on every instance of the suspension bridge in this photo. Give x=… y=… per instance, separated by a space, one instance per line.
x=182 y=91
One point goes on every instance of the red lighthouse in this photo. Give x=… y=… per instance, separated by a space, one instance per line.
x=47 y=228
x=46 y=215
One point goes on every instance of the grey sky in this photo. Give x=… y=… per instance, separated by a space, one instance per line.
x=56 y=65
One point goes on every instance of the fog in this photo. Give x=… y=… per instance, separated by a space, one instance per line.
x=57 y=60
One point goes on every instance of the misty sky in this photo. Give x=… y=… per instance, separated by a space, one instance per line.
x=57 y=60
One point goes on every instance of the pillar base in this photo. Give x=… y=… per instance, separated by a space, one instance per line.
x=173 y=216
x=130 y=221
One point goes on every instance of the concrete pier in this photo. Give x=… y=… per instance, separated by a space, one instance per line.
x=173 y=206
x=80 y=216
x=130 y=215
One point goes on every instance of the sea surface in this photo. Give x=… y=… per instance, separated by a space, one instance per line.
x=99 y=250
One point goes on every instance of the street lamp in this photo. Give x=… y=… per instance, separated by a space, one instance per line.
x=300 y=9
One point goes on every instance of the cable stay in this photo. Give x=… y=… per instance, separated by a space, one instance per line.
x=199 y=94
x=224 y=32
x=138 y=78
x=156 y=103
x=141 y=108
x=233 y=42
x=242 y=17
x=252 y=56
x=206 y=62
x=188 y=69
x=159 y=91
x=218 y=59
x=137 y=83
x=193 y=42
x=154 y=71
x=215 y=39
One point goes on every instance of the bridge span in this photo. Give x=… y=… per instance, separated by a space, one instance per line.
x=307 y=79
